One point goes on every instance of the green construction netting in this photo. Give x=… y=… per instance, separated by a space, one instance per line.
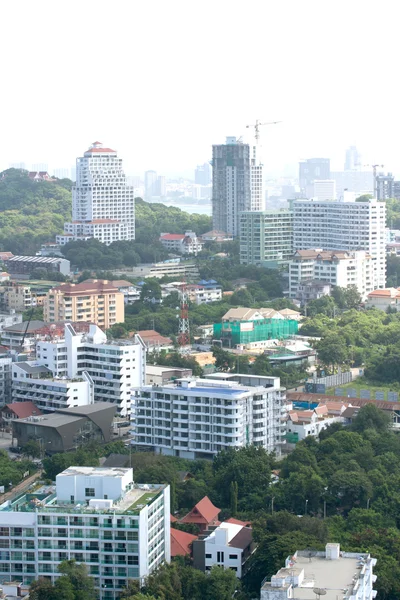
x=266 y=329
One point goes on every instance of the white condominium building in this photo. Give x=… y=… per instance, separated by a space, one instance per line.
x=34 y=382
x=97 y=516
x=103 y=205
x=197 y=418
x=257 y=199
x=343 y=226
x=339 y=268
x=115 y=366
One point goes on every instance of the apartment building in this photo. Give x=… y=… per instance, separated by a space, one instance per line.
x=5 y=376
x=324 y=189
x=22 y=337
x=33 y=382
x=347 y=226
x=97 y=516
x=187 y=243
x=339 y=268
x=103 y=204
x=16 y=297
x=266 y=237
x=331 y=573
x=231 y=184
x=172 y=268
x=95 y=301
x=197 y=418
x=115 y=366
x=203 y=294
x=22 y=266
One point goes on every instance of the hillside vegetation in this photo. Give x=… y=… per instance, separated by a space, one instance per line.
x=31 y=212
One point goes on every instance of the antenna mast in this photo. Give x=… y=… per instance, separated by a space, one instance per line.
x=184 y=330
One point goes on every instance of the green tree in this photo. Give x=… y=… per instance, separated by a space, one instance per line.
x=78 y=575
x=32 y=448
x=371 y=417
x=42 y=589
x=150 y=291
x=234 y=498
x=221 y=583
x=332 y=351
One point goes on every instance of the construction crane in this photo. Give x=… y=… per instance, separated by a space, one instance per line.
x=257 y=126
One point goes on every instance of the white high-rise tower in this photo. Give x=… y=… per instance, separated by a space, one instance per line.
x=103 y=205
x=256 y=182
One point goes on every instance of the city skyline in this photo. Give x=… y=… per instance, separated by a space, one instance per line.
x=320 y=89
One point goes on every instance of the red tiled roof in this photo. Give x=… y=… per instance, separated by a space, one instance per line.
x=172 y=519
x=172 y=236
x=203 y=512
x=22 y=410
x=150 y=336
x=238 y=522
x=385 y=293
x=180 y=542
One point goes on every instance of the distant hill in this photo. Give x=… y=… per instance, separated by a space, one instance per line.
x=31 y=212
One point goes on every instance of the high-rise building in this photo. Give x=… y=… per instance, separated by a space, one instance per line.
x=161 y=187
x=266 y=237
x=17 y=165
x=384 y=186
x=310 y=170
x=231 y=184
x=93 y=301
x=324 y=189
x=103 y=205
x=150 y=184
x=353 y=159
x=202 y=174
x=197 y=418
x=334 y=225
x=359 y=182
x=95 y=515
x=257 y=201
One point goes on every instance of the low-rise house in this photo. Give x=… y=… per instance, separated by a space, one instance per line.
x=18 y=410
x=304 y=423
x=130 y=291
x=228 y=545
x=156 y=375
x=181 y=542
x=187 y=243
x=384 y=299
x=204 y=514
x=154 y=340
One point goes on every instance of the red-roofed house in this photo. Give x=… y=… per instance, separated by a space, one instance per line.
x=302 y=423
x=18 y=410
x=204 y=514
x=172 y=519
x=187 y=243
x=181 y=542
x=382 y=299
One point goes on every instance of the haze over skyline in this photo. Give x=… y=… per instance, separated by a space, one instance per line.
x=161 y=82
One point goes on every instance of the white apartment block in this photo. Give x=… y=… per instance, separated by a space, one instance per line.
x=257 y=199
x=338 y=225
x=325 y=189
x=103 y=205
x=116 y=367
x=335 y=574
x=197 y=418
x=34 y=382
x=199 y=294
x=338 y=268
x=97 y=516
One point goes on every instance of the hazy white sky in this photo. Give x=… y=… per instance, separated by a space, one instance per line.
x=162 y=80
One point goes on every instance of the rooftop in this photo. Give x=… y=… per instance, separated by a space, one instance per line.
x=337 y=577
x=23 y=409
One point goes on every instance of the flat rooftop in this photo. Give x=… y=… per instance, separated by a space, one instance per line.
x=336 y=577
x=94 y=472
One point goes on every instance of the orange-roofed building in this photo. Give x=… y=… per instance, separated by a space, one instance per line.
x=203 y=514
x=181 y=542
x=383 y=299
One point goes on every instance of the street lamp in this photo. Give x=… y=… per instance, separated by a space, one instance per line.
x=305 y=511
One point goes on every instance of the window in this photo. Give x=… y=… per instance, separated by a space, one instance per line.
x=89 y=492
x=233 y=556
x=220 y=557
x=208 y=555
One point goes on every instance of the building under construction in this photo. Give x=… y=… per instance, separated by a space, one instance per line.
x=234 y=333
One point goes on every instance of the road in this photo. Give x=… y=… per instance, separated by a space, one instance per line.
x=20 y=487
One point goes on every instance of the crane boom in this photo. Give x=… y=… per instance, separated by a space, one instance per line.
x=257 y=126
